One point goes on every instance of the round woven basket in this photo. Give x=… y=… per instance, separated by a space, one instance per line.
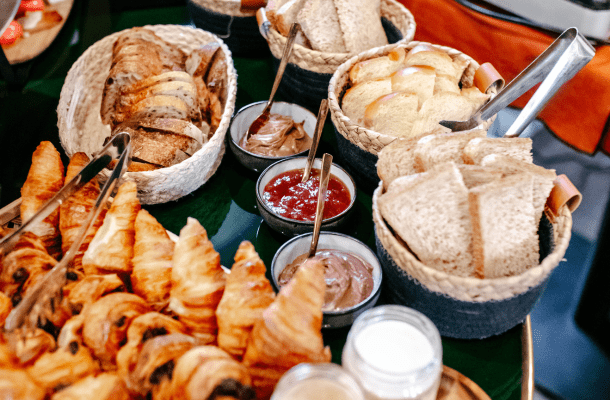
x=81 y=128
x=465 y=307
x=308 y=72
x=359 y=146
x=226 y=19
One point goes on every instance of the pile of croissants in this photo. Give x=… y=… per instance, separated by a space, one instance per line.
x=142 y=316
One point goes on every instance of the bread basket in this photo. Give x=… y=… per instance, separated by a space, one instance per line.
x=305 y=81
x=463 y=307
x=359 y=146
x=235 y=25
x=81 y=128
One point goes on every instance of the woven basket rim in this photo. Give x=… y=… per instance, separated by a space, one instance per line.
x=218 y=137
x=228 y=7
x=345 y=124
x=474 y=289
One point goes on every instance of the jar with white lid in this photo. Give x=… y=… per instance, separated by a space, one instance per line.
x=317 y=381
x=395 y=353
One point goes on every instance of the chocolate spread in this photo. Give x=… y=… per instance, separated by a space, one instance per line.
x=349 y=278
x=280 y=136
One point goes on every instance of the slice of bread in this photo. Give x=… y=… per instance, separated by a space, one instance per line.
x=172 y=57
x=543 y=178
x=396 y=160
x=156 y=79
x=424 y=54
x=198 y=62
x=445 y=83
x=159 y=107
x=360 y=22
x=286 y=15
x=272 y=8
x=442 y=106
x=476 y=175
x=431 y=214
x=358 y=97
x=505 y=238
x=377 y=67
x=435 y=149
x=419 y=80
x=392 y=114
x=519 y=148
x=320 y=24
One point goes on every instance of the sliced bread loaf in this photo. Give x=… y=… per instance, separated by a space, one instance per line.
x=360 y=22
x=396 y=160
x=377 y=67
x=419 y=80
x=358 y=97
x=519 y=148
x=159 y=107
x=424 y=54
x=435 y=149
x=392 y=114
x=320 y=24
x=476 y=175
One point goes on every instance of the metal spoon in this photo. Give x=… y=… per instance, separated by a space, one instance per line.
x=264 y=116
x=327 y=161
x=316 y=139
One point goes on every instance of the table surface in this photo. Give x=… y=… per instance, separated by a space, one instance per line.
x=226 y=204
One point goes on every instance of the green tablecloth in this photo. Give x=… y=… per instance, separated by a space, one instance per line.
x=225 y=205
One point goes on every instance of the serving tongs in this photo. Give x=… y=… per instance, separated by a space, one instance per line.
x=556 y=65
x=33 y=306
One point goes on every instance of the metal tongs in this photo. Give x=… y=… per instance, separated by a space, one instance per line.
x=556 y=65
x=33 y=305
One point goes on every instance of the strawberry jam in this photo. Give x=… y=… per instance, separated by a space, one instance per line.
x=285 y=195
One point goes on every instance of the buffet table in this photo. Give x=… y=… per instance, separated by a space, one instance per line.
x=226 y=204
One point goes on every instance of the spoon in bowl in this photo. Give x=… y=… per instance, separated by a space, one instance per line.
x=327 y=161
x=264 y=116
x=316 y=139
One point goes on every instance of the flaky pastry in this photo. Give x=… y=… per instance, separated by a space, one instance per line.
x=105 y=386
x=91 y=288
x=28 y=346
x=16 y=384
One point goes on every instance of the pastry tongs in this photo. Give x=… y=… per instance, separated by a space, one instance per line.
x=556 y=65
x=33 y=305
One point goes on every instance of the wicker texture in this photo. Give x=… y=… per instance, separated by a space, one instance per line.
x=81 y=128
x=362 y=137
x=473 y=289
x=227 y=7
x=327 y=63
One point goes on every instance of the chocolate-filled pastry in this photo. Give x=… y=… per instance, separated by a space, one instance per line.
x=105 y=386
x=157 y=360
x=142 y=329
x=5 y=308
x=90 y=289
x=152 y=261
x=247 y=294
x=111 y=249
x=198 y=282
x=45 y=178
x=72 y=331
x=290 y=331
x=61 y=307
x=106 y=323
x=28 y=346
x=16 y=384
x=208 y=372
x=75 y=210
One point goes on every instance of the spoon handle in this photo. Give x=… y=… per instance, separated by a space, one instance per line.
x=316 y=138
x=283 y=62
x=327 y=161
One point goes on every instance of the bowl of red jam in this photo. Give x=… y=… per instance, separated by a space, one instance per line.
x=352 y=273
x=289 y=206
x=288 y=133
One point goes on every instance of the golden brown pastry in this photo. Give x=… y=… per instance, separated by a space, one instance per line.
x=90 y=289
x=5 y=308
x=71 y=331
x=105 y=386
x=28 y=346
x=75 y=210
x=208 y=372
x=198 y=282
x=111 y=249
x=16 y=384
x=106 y=324
x=45 y=178
x=290 y=331
x=152 y=261
x=7 y=358
x=247 y=294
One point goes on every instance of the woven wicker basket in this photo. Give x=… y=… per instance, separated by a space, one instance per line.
x=468 y=307
x=81 y=128
x=305 y=81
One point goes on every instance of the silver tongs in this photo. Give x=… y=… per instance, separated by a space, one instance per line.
x=32 y=306
x=556 y=65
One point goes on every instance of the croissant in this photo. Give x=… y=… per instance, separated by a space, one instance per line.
x=106 y=323
x=247 y=294
x=152 y=261
x=208 y=372
x=16 y=384
x=290 y=331
x=90 y=289
x=198 y=282
x=72 y=331
x=111 y=249
x=75 y=210
x=28 y=346
x=105 y=386
x=45 y=178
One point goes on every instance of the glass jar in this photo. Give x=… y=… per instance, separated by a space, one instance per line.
x=317 y=381
x=395 y=353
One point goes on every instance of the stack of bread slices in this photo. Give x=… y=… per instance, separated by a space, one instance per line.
x=169 y=102
x=330 y=26
x=407 y=92
x=465 y=204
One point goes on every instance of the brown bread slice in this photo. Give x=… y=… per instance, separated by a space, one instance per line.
x=442 y=147
x=396 y=160
x=320 y=23
x=476 y=175
x=360 y=22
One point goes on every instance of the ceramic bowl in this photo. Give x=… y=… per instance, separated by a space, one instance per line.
x=244 y=118
x=331 y=240
x=293 y=227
